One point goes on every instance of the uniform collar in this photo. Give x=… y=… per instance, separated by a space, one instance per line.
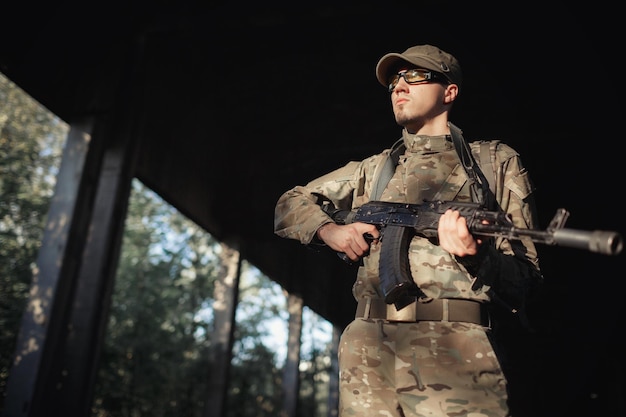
x=426 y=144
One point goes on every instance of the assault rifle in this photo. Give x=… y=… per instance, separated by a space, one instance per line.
x=398 y=222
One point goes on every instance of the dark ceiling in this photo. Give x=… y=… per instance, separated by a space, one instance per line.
x=237 y=102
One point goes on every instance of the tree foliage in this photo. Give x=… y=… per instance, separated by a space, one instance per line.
x=156 y=357
x=157 y=339
x=31 y=140
x=315 y=367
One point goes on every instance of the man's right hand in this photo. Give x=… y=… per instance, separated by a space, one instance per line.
x=349 y=238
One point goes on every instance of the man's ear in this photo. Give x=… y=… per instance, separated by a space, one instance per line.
x=452 y=91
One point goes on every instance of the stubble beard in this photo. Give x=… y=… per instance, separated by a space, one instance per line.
x=402 y=118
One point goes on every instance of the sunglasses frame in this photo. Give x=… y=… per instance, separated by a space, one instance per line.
x=428 y=75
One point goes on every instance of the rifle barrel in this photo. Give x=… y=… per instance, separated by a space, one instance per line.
x=599 y=241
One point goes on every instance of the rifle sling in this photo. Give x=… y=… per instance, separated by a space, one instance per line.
x=388 y=169
x=476 y=177
x=485 y=161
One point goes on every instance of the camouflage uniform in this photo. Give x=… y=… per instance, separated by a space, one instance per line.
x=424 y=368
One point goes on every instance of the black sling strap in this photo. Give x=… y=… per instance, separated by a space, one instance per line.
x=479 y=186
x=388 y=169
x=485 y=161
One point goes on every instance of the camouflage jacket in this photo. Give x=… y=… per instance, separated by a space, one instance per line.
x=429 y=169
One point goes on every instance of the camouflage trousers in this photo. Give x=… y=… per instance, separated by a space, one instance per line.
x=421 y=369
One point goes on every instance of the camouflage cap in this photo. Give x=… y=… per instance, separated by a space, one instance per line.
x=421 y=56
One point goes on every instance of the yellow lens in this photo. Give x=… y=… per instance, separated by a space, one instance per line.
x=416 y=76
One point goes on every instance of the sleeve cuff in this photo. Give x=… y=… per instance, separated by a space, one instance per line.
x=473 y=263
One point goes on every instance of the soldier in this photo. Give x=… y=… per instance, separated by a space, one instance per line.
x=434 y=356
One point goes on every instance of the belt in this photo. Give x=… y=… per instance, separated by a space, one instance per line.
x=433 y=310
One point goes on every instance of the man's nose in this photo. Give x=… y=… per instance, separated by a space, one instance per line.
x=401 y=85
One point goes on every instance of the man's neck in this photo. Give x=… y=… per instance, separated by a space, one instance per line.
x=433 y=127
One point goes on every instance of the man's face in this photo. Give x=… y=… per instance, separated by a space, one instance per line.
x=415 y=103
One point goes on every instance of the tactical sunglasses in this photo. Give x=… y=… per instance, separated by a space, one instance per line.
x=415 y=76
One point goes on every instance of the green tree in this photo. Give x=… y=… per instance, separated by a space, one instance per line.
x=255 y=381
x=157 y=339
x=155 y=359
x=315 y=366
x=31 y=142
